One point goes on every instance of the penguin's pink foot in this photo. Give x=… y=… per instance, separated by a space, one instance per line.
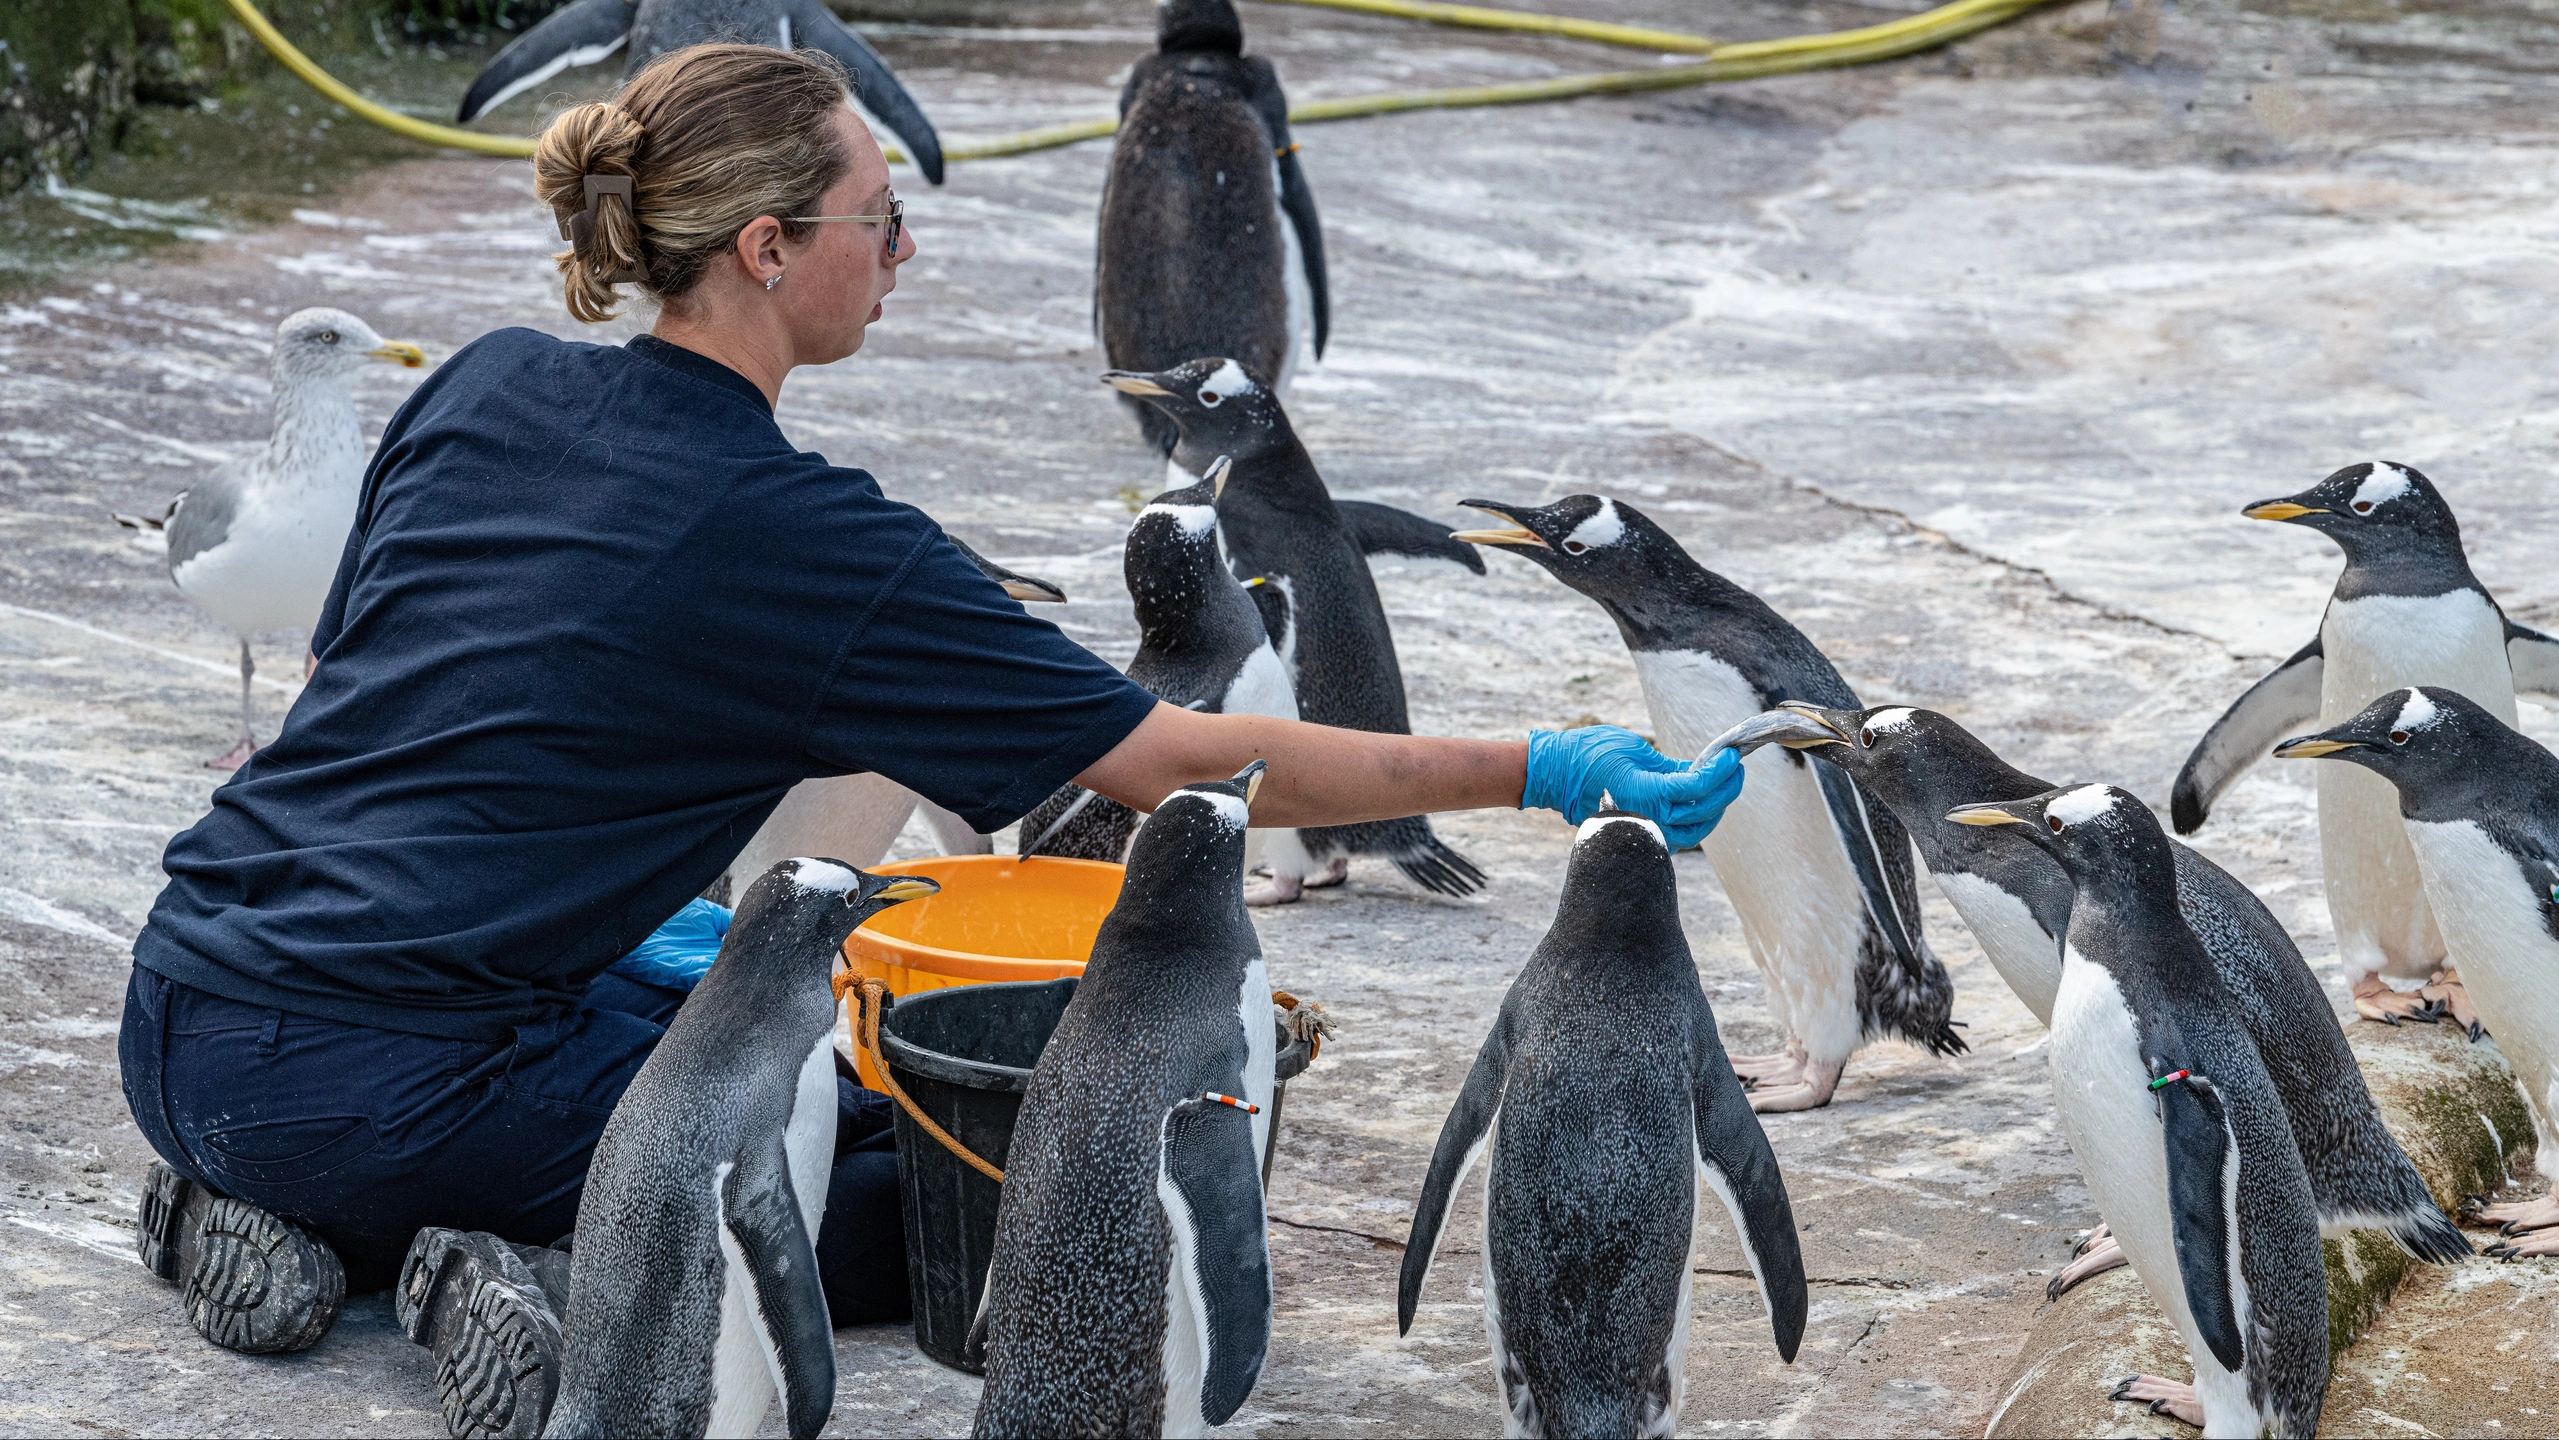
x=2164 y=1397
x=2540 y=1243
x=2375 y=1000
x=1278 y=890
x=235 y=757
x=2446 y=993
x=1811 y=1092
x=2515 y=1219
x=1335 y=871
x=2097 y=1254
x=1784 y=1066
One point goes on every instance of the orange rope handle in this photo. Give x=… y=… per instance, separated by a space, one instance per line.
x=866 y=1033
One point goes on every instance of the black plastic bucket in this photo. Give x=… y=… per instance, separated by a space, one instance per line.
x=964 y=1056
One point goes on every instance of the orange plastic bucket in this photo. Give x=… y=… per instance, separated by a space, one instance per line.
x=999 y=917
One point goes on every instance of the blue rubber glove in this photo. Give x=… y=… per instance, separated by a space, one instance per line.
x=1576 y=771
x=678 y=953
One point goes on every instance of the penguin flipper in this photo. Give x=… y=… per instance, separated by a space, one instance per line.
x=1211 y=1186
x=2534 y=658
x=1296 y=199
x=1735 y=1160
x=1461 y=1139
x=1904 y=989
x=580 y=34
x=2201 y=1212
x=815 y=27
x=2277 y=706
x=1385 y=530
x=762 y=1214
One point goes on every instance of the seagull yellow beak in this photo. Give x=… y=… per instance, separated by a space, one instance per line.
x=398 y=352
x=1133 y=384
x=2313 y=749
x=1984 y=815
x=2281 y=510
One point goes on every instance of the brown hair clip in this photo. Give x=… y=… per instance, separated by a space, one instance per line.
x=577 y=227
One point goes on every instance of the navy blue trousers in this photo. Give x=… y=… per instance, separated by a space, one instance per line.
x=368 y=1136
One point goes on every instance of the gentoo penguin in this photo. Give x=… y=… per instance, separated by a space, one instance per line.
x=1130 y=1292
x=1209 y=243
x=1281 y=526
x=1200 y=645
x=2178 y=1130
x=587 y=31
x=1606 y=1101
x=1821 y=878
x=859 y=816
x=2016 y=899
x=2481 y=805
x=257 y=542
x=2406 y=611
x=693 y=1291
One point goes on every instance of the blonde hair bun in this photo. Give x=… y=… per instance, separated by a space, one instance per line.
x=712 y=136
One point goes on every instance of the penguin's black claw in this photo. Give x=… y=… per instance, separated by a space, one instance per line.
x=2052 y=1291
x=2477 y=1032
x=2158 y=1407
x=2121 y=1386
x=2471 y=1205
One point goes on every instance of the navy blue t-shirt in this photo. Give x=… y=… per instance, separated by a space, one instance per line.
x=595 y=618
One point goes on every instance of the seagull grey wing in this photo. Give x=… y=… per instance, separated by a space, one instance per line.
x=581 y=34
x=1296 y=198
x=1462 y=1138
x=1385 y=530
x=2535 y=660
x=1734 y=1157
x=875 y=86
x=2273 y=708
x=200 y=519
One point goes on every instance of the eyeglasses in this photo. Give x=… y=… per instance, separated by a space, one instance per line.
x=896 y=218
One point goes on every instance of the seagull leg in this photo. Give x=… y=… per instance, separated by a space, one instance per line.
x=238 y=755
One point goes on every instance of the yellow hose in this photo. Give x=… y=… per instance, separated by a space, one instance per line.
x=1742 y=60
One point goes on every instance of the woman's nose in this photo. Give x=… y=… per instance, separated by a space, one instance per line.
x=905 y=245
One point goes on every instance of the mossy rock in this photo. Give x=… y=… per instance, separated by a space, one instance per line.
x=2451 y=1101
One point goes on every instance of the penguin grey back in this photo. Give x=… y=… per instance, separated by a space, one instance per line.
x=1075 y=1311
x=1603 y=1091
x=695 y=1147
x=1192 y=257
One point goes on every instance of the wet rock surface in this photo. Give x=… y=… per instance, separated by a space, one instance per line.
x=1964 y=364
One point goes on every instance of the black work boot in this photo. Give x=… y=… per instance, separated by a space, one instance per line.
x=483 y=1308
x=253 y=1282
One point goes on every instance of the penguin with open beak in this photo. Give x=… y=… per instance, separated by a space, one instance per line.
x=2175 y=1123
x=2016 y=900
x=2481 y=805
x=1820 y=876
x=2406 y=611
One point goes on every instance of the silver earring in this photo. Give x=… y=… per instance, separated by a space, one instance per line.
x=775 y=280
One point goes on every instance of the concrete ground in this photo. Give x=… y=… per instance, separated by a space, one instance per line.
x=1964 y=363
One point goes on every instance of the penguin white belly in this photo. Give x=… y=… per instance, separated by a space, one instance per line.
x=1776 y=853
x=1261 y=687
x=2019 y=949
x=746 y=1373
x=1261 y=1049
x=1301 y=295
x=2101 y=1088
x=2371 y=646
x=2510 y=965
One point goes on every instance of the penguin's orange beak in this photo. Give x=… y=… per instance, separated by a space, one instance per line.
x=1984 y=815
x=1129 y=383
x=1515 y=534
x=2281 y=510
x=2312 y=748
x=907 y=888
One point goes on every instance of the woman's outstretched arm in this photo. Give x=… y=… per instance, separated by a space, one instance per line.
x=1322 y=776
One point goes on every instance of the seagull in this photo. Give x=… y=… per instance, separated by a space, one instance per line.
x=257 y=542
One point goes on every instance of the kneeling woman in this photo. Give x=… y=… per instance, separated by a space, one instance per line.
x=597 y=615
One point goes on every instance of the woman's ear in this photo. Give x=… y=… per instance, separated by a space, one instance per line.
x=759 y=248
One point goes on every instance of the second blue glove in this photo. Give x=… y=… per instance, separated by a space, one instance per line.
x=1572 y=771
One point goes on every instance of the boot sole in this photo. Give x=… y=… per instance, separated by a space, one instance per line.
x=253 y=1282
x=480 y=1312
